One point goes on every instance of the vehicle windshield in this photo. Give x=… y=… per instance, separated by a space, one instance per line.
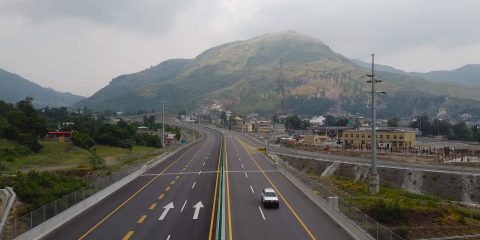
x=270 y=194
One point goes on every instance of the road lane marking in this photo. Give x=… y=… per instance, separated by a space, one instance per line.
x=261 y=212
x=278 y=192
x=212 y=217
x=177 y=177
x=132 y=196
x=173 y=182
x=203 y=164
x=128 y=235
x=230 y=235
x=161 y=196
x=251 y=188
x=197 y=209
x=200 y=172
x=242 y=166
x=142 y=219
x=165 y=211
x=184 y=169
x=181 y=210
x=246 y=175
x=239 y=159
x=168 y=238
x=193 y=185
x=153 y=206
x=167 y=189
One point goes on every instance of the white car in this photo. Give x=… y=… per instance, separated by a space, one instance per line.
x=269 y=198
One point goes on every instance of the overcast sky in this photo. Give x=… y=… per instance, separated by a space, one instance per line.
x=80 y=45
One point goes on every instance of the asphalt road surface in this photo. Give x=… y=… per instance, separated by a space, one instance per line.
x=178 y=199
x=173 y=200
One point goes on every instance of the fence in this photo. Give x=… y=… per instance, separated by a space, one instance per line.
x=347 y=210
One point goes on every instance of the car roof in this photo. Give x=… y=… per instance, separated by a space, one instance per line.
x=269 y=190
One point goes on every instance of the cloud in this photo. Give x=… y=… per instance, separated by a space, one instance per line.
x=79 y=46
x=141 y=15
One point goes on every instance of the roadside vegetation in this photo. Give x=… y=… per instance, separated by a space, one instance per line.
x=41 y=168
x=410 y=215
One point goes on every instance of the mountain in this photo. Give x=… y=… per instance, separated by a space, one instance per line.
x=378 y=67
x=15 y=88
x=467 y=75
x=245 y=76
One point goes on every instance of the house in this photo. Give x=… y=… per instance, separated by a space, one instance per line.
x=59 y=136
x=389 y=138
x=314 y=139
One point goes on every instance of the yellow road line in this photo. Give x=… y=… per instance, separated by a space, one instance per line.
x=131 y=197
x=128 y=235
x=210 y=232
x=161 y=196
x=167 y=189
x=142 y=218
x=279 y=193
x=153 y=206
x=230 y=235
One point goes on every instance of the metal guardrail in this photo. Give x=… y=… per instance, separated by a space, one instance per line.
x=375 y=229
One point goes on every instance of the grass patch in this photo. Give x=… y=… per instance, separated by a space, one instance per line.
x=415 y=215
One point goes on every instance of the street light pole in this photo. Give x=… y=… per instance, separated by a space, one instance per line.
x=374 y=179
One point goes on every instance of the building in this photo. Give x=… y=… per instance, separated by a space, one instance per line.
x=59 y=136
x=386 y=138
x=314 y=139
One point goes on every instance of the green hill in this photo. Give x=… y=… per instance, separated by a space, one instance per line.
x=243 y=76
x=15 y=88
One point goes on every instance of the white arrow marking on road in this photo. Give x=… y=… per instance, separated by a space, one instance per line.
x=181 y=210
x=167 y=208
x=197 y=209
x=194 y=184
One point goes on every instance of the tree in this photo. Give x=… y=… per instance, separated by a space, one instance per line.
x=294 y=122
x=462 y=131
x=393 y=122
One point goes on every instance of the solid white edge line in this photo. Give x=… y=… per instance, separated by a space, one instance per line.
x=261 y=212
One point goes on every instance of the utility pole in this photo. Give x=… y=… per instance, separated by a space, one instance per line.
x=374 y=179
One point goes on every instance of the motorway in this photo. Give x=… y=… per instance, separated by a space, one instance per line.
x=178 y=199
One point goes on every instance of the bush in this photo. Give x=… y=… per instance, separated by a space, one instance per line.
x=21 y=150
x=82 y=140
x=39 y=188
x=29 y=141
x=96 y=161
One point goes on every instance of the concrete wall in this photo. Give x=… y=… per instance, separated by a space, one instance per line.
x=451 y=186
